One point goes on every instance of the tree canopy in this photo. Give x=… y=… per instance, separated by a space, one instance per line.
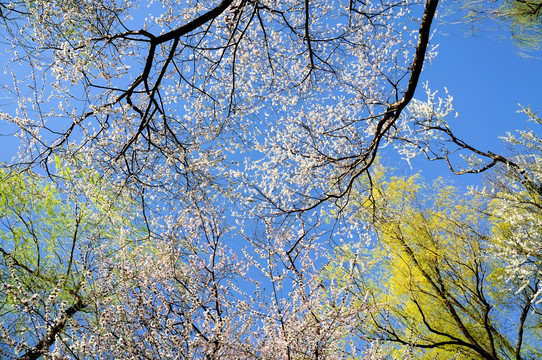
x=186 y=168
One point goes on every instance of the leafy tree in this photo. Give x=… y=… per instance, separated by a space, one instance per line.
x=81 y=279
x=166 y=98
x=514 y=184
x=525 y=18
x=52 y=241
x=435 y=287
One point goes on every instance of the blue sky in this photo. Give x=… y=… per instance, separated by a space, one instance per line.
x=487 y=78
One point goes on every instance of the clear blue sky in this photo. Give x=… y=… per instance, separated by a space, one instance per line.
x=487 y=78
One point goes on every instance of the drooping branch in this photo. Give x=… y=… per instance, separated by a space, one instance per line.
x=522 y=320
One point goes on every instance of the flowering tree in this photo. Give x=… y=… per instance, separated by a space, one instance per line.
x=515 y=183
x=82 y=278
x=516 y=194
x=310 y=89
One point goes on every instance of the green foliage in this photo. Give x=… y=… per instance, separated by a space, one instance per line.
x=432 y=288
x=522 y=17
x=525 y=20
x=37 y=228
x=53 y=237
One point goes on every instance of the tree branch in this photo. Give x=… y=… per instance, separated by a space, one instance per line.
x=53 y=331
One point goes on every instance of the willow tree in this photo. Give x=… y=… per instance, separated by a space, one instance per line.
x=82 y=277
x=233 y=121
x=523 y=18
x=55 y=239
x=434 y=283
